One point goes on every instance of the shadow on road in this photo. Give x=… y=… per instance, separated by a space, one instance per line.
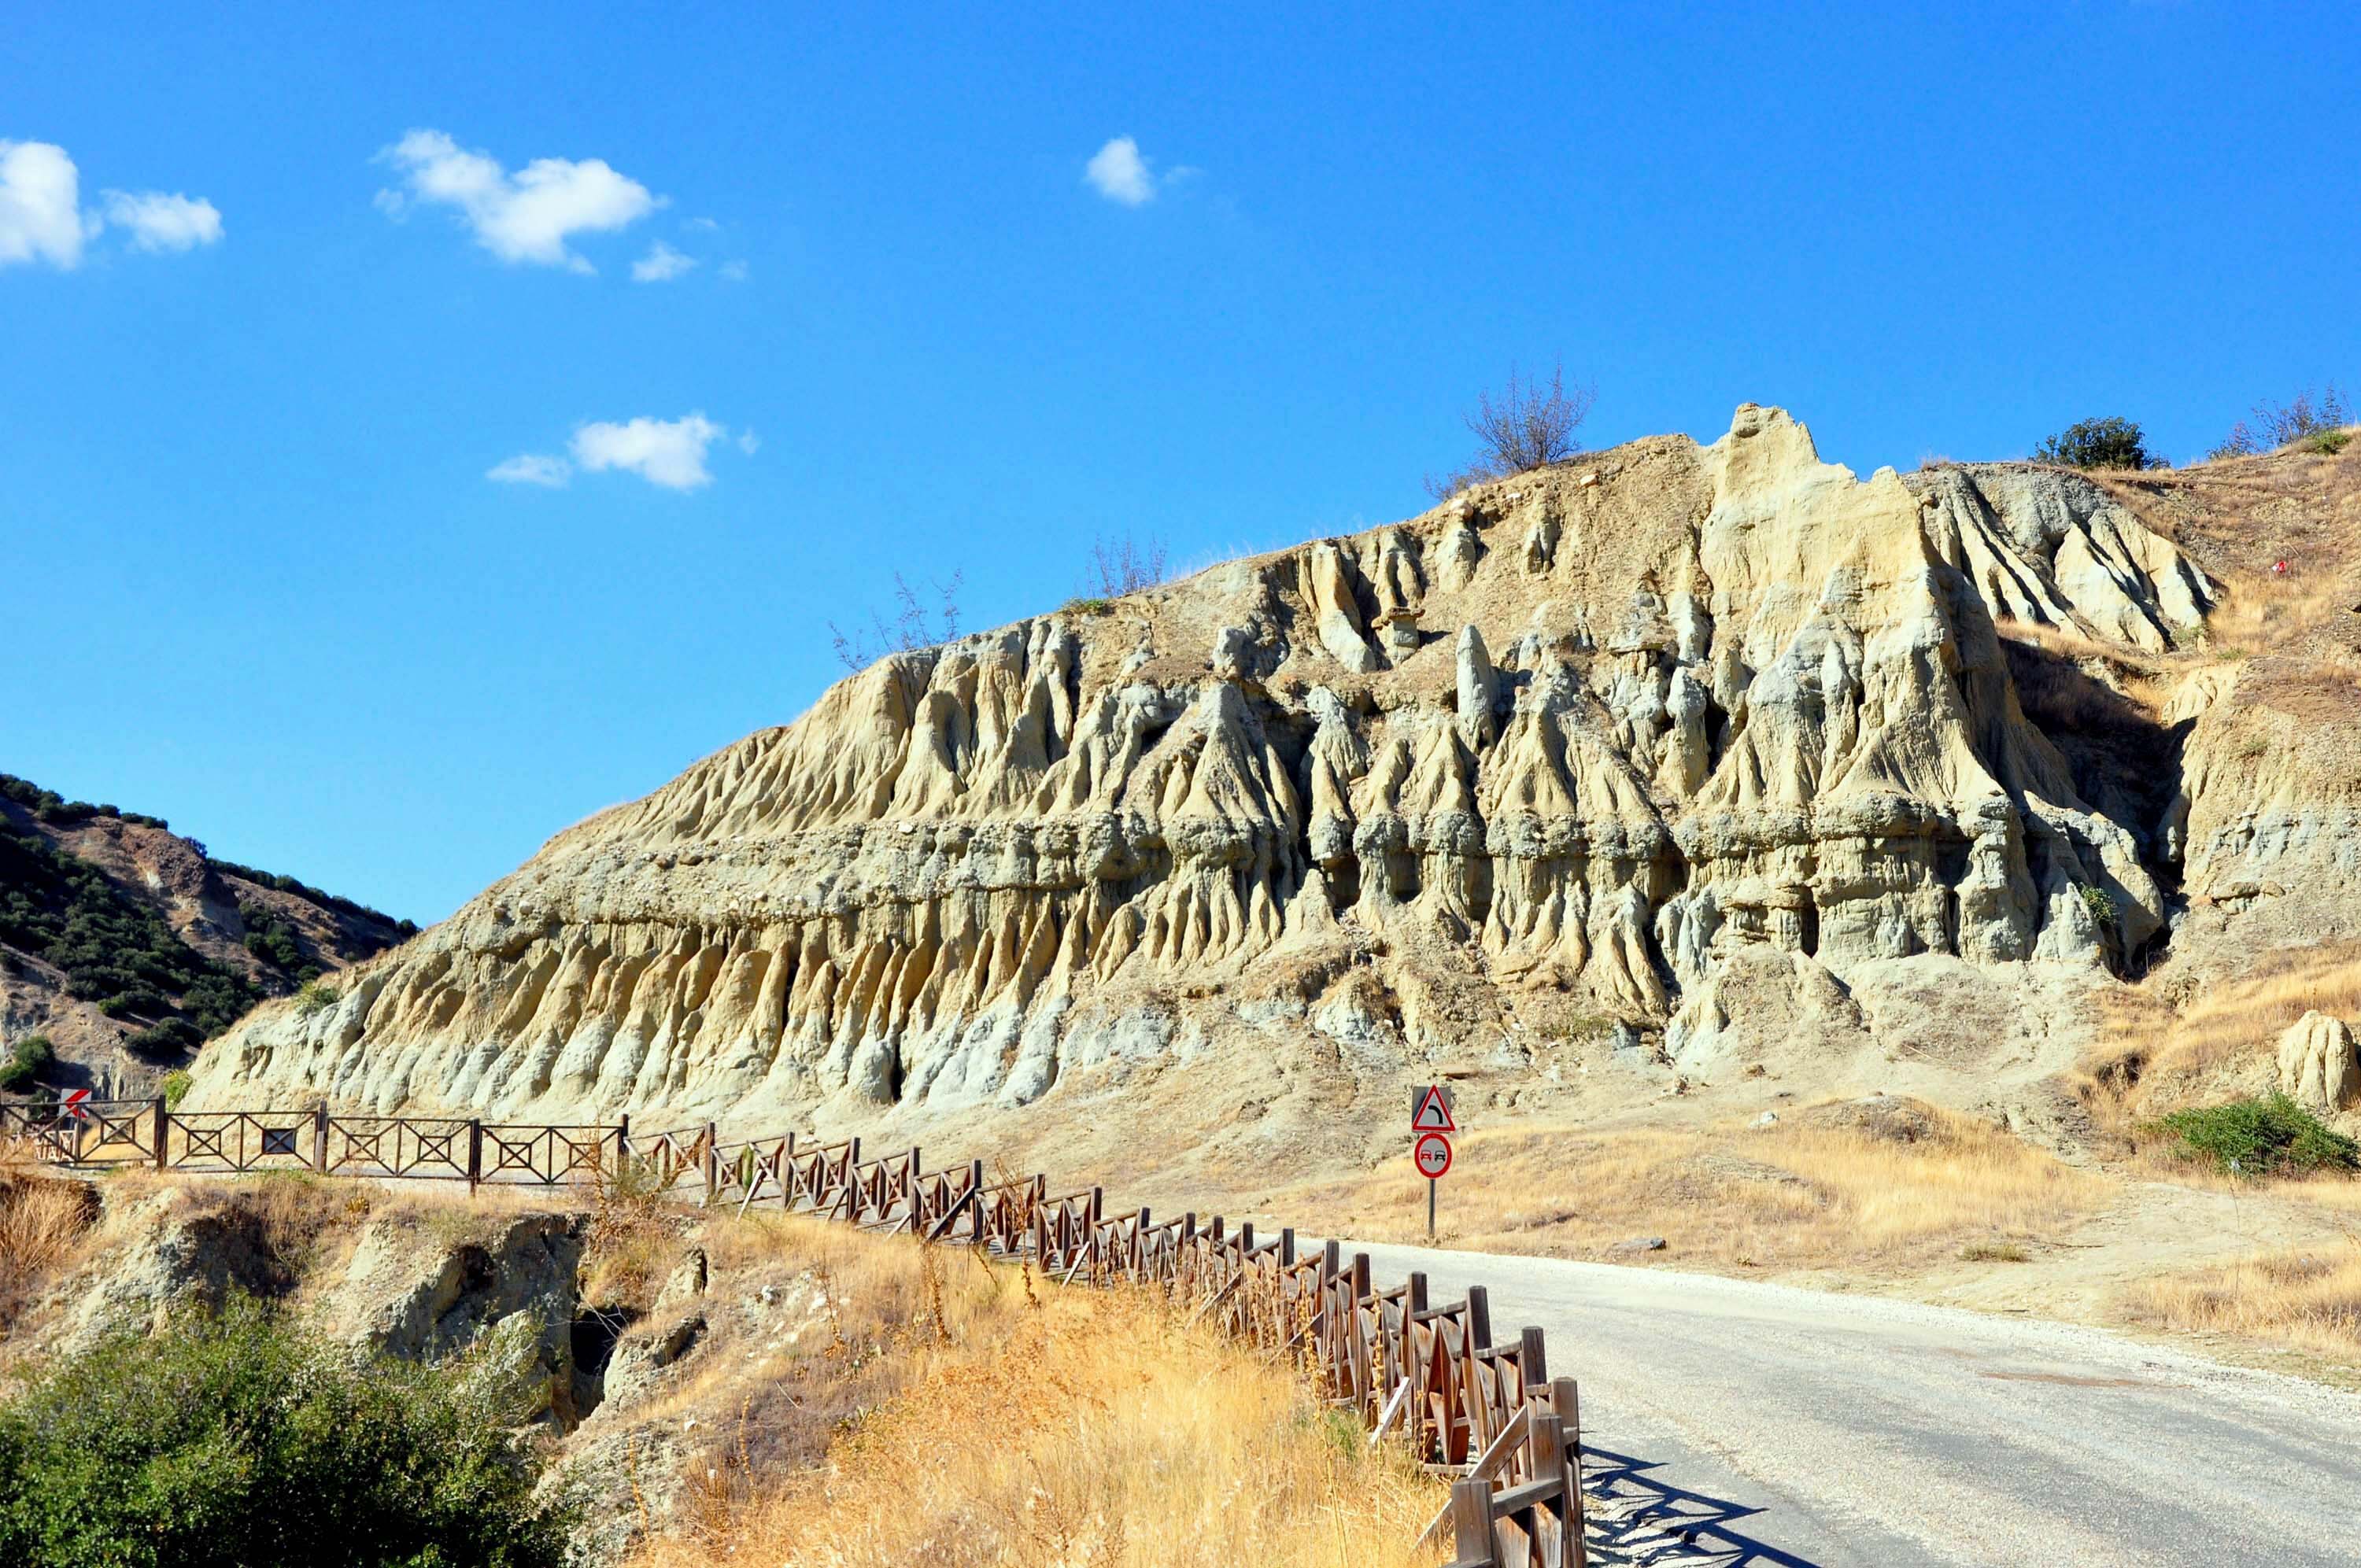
x=1637 y=1519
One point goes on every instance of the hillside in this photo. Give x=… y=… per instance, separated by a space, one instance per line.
x=1673 y=769
x=126 y=946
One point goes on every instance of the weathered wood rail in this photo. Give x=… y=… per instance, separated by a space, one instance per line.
x=1428 y=1374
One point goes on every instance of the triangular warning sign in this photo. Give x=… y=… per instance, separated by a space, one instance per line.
x=1431 y=1114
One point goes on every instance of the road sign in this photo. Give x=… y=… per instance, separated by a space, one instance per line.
x=1432 y=1153
x=1430 y=1110
x=73 y=1105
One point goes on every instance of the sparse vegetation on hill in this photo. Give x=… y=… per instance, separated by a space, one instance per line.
x=2315 y=424
x=122 y=921
x=909 y=630
x=118 y=954
x=1531 y=426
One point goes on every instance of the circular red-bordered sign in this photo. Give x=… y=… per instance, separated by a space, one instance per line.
x=1431 y=1155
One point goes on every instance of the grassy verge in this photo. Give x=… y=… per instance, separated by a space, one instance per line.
x=1850 y=1186
x=2308 y=1301
x=1017 y=1423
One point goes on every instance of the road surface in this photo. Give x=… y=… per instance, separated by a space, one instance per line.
x=1784 y=1426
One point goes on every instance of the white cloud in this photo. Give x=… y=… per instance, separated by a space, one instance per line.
x=734 y=271
x=41 y=217
x=1119 y=173
x=747 y=443
x=670 y=453
x=661 y=265
x=522 y=218
x=532 y=469
x=159 y=222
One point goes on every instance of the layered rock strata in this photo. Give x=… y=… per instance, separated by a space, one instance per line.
x=1609 y=730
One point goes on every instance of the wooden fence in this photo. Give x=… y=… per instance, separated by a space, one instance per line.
x=1425 y=1374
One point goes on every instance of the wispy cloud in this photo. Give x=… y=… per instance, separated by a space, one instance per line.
x=526 y=217
x=532 y=469
x=160 y=221
x=661 y=264
x=42 y=220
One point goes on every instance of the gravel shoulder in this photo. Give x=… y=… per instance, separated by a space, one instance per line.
x=1731 y=1422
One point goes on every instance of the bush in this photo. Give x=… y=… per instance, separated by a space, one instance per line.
x=1126 y=566
x=238 y=1438
x=2272 y=1136
x=1529 y=427
x=166 y=1040
x=2099 y=443
x=908 y=632
x=315 y=997
x=33 y=1055
x=175 y=1088
x=2306 y=423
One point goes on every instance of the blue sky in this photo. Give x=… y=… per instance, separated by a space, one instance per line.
x=255 y=576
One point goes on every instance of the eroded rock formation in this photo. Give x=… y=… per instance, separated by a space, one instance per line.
x=1615 y=730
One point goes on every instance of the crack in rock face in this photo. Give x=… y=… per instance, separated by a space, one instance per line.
x=1623 y=728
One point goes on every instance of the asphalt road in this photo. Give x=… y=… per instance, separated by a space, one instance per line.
x=1782 y=1426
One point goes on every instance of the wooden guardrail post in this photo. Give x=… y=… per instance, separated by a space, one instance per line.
x=1566 y=1403
x=475 y=1154
x=711 y=1139
x=1479 y=1318
x=1532 y=1362
x=1471 y=1524
x=320 y=1138
x=622 y=1136
x=1287 y=1246
x=163 y=1131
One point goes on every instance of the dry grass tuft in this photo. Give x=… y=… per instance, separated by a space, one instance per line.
x=1008 y=1425
x=43 y=1220
x=2294 y=1300
x=1854 y=1184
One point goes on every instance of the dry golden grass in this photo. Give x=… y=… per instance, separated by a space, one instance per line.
x=1019 y=1423
x=1832 y=1186
x=2308 y=1301
x=2164 y=1048
x=43 y=1220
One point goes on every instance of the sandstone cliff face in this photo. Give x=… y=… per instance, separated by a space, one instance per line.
x=1620 y=733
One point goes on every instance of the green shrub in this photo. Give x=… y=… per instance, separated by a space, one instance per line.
x=33 y=1055
x=2100 y=904
x=2099 y=443
x=2271 y=1136
x=313 y=997
x=238 y=1440
x=2327 y=443
x=167 y=1039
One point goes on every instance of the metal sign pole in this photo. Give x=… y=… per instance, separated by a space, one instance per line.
x=1430 y=1208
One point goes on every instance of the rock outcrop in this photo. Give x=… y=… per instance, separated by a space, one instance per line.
x=1606 y=732
x=2318 y=1068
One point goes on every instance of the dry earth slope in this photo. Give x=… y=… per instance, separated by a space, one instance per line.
x=1664 y=762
